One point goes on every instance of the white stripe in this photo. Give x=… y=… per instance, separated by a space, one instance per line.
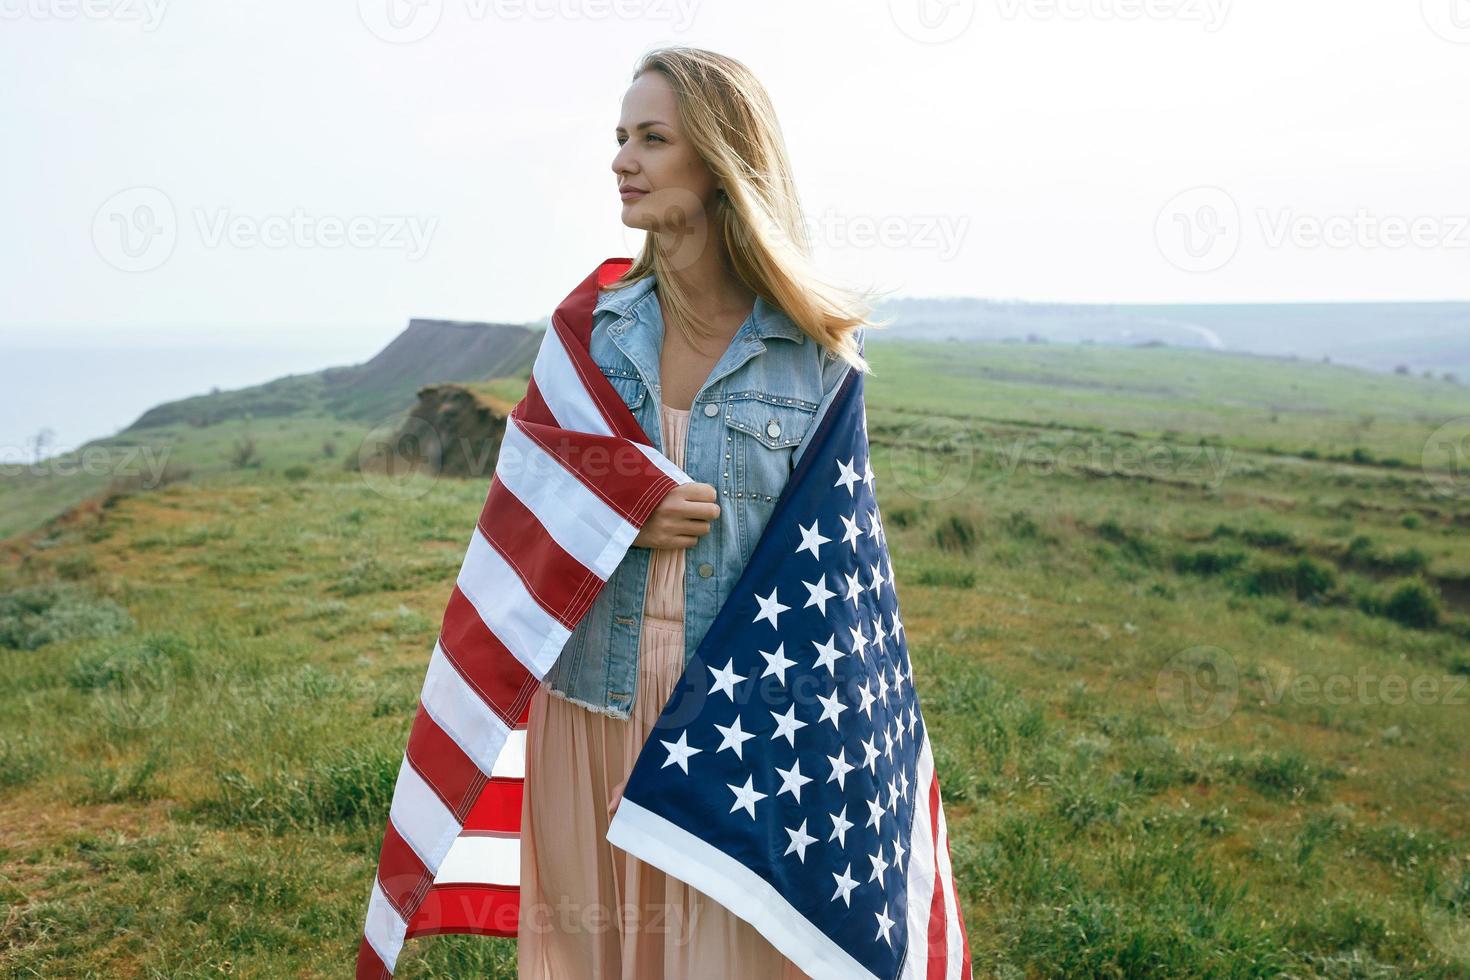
x=529 y=632
x=462 y=713
x=574 y=517
x=664 y=463
x=482 y=859
x=920 y=871
x=511 y=764
x=563 y=391
x=675 y=851
x=384 y=927
x=954 y=945
x=421 y=817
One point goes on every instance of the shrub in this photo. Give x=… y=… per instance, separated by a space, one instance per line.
x=1270 y=538
x=245 y=453
x=1413 y=602
x=1306 y=578
x=1207 y=561
x=33 y=616
x=1021 y=525
x=961 y=578
x=955 y=533
x=1130 y=544
x=1363 y=552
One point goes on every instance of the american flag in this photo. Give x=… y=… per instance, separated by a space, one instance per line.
x=790 y=776
x=575 y=480
x=763 y=783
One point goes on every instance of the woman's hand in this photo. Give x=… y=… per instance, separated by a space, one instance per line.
x=681 y=518
x=617 y=797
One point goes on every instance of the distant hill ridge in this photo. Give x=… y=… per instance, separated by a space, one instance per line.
x=427 y=352
x=1433 y=336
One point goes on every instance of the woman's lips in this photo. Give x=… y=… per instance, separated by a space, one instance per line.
x=632 y=195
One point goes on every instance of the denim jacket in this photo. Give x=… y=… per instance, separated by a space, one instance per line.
x=748 y=426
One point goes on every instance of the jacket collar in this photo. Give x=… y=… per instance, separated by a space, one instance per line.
x=768 y=320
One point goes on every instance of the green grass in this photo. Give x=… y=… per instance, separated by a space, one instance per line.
x=1194 y=715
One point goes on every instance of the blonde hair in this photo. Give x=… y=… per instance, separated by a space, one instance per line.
x=728 y=117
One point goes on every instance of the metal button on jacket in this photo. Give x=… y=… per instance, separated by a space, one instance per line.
x=712 y=409
x=706 y=570
x=773 y=428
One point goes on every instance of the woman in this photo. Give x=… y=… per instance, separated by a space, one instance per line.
x=728 y=348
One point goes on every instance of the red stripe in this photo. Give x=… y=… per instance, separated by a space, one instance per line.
x=486 y=664
x=401 y=874
x=610 y=466
x=443 y=765
x=559 y=583
x=369 y=966
x=615 y=412
x=938 y=953
x=533 y=407
x=498 y=810
x=480 y=910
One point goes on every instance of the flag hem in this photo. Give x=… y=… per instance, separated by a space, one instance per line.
x=673 y=850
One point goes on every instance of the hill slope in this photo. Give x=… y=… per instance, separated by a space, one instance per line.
x=295 y=420
x=428 y=352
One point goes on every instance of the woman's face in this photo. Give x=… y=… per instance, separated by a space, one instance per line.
x=655 y=157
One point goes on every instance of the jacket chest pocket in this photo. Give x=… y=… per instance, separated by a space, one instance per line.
x=761 y=436
x=628 y=385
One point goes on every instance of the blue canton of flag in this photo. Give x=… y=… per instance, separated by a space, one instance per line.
x=790 y=776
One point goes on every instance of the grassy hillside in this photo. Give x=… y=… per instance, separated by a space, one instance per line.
x=1189 y=630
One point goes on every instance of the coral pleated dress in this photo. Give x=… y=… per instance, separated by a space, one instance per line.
x=591 y=910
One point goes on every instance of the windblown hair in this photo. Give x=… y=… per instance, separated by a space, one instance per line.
x=728 y=117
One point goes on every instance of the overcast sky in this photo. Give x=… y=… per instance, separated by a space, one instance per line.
x=1078 y=150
